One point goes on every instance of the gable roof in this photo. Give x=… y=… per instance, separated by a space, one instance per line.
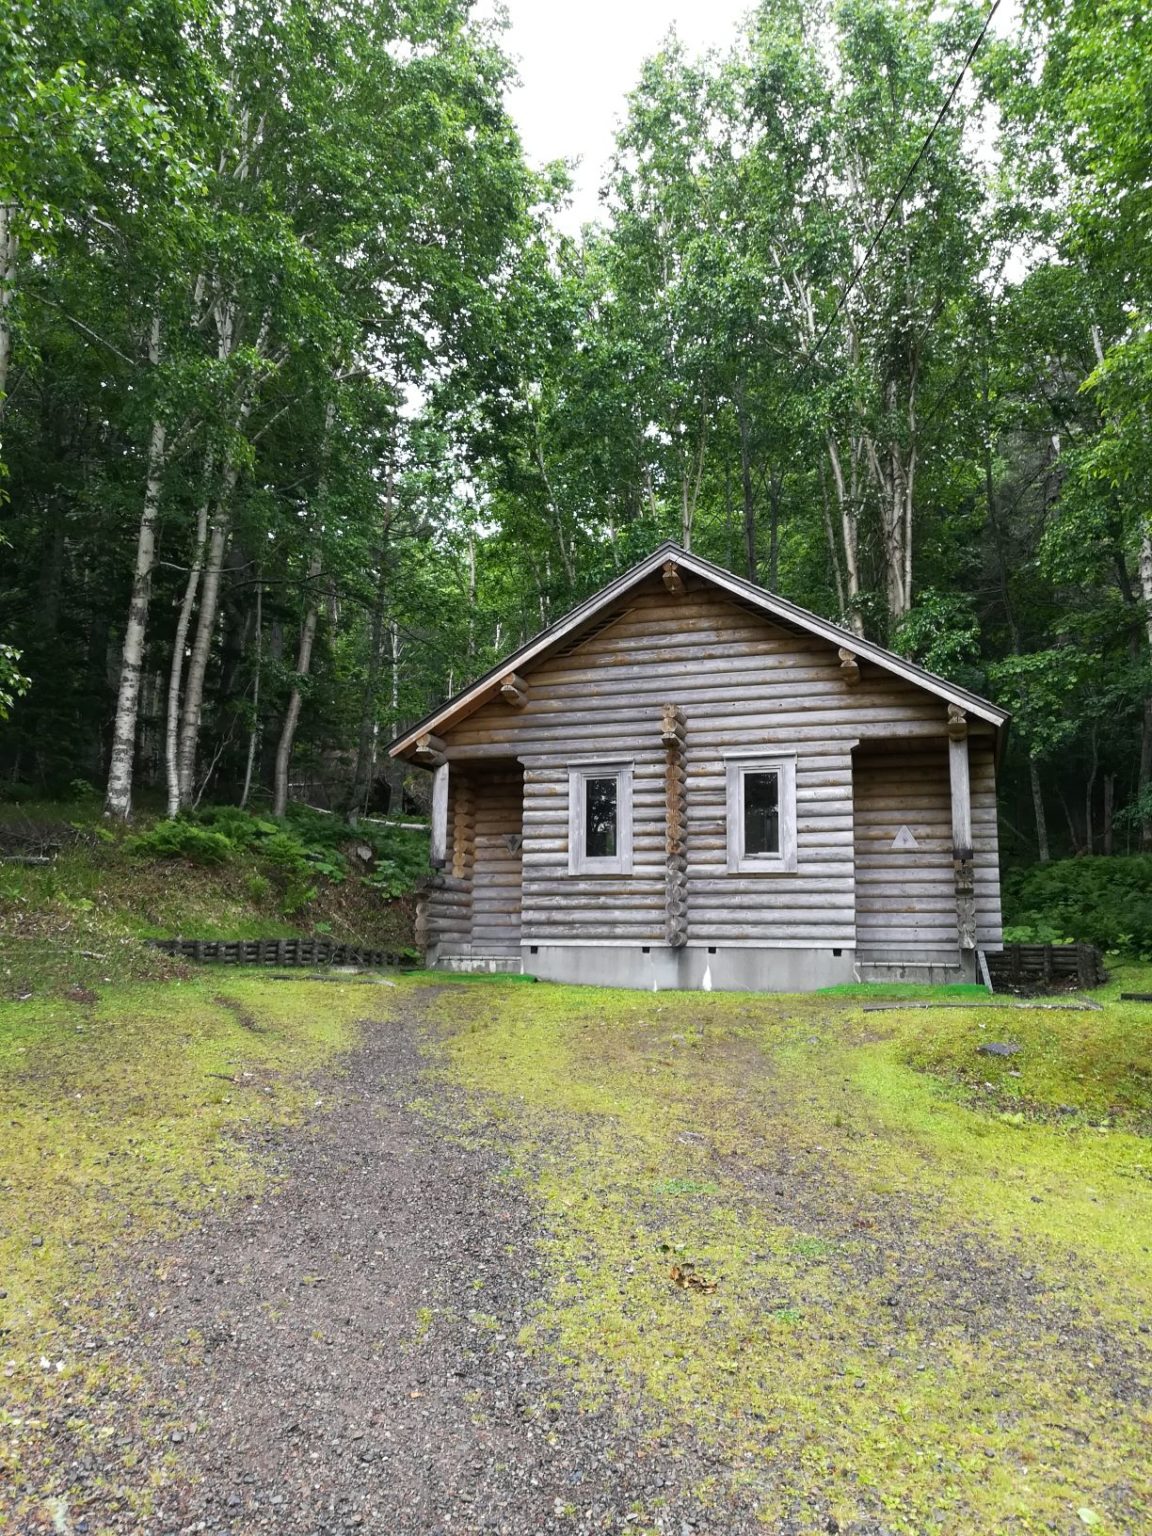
x=768 y=603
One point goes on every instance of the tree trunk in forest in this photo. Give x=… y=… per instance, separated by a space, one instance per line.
x=292 y=713
x=774 y=486
x=1109 y=811
x=9 y=251
x=118 y=798
x=202 y=642
x=690 y=479
x=179 y=644
x=1038 y=809
x=830 y=537
x=1146 y=736
x=365 y=772
x=1073 y=836
x=747 y=495
x=1089 y=792
x=254 y=732
x=849 y=529
x=365 y=754
x=471 y=594
x=1144 y=781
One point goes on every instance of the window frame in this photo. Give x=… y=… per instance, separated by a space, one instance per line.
x=579 y=861
x=739 y=861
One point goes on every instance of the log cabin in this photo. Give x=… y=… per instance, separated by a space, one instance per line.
x=690 y=782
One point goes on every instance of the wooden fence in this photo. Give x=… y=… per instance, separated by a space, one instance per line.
x=278 y=952
x=1029 y=965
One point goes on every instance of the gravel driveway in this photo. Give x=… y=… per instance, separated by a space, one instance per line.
x=340 y=1355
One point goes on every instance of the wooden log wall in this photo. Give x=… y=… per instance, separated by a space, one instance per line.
x=496 y=871
x=744 y=684
x=906 y=896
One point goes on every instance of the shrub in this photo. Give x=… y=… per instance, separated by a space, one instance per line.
x=182 y=840
x=1095 y=900
x=259 y=889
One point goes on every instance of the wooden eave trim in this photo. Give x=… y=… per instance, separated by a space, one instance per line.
x=768 y=603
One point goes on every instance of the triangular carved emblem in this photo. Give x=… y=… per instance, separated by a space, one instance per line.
x=904 y=839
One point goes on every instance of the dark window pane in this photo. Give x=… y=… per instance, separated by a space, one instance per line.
x=761 y=813
x=600 y=818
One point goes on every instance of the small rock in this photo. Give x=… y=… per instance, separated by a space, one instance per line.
x=997 y=1048
x=37 y=1242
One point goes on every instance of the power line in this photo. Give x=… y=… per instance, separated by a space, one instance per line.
x=904 y=185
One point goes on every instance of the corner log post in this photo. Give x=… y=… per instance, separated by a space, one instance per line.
x=514 y=690
x=673 y=735
x=963 y=864
x=438 y=852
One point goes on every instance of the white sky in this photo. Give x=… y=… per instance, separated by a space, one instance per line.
x=578 y=62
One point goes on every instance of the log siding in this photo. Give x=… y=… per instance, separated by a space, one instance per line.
x=745 y=684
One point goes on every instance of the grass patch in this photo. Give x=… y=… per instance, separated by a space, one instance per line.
x=124 y=1115
x=913 y=1293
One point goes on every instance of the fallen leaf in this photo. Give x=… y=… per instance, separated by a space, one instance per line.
x=685 y=1276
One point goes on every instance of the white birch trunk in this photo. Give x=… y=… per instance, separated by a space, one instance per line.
x=254 y=733
x=176 y=671
x=118 y=797
x=202 y=642
x=849 y=532
x=292 y=714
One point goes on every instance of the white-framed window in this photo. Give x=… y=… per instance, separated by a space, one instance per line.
x=600 y=819
x=761 y=814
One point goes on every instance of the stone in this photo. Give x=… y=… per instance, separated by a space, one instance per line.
x=997 y=1048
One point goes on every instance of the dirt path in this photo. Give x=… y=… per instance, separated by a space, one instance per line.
x=340 y=1355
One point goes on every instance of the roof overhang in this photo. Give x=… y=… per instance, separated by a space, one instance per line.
x=768 y=603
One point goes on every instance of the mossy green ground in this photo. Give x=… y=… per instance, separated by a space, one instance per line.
x=931 y=1266
x=124 y=1116
x=813 y=1160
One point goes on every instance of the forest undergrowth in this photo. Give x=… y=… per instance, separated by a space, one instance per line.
x=81 y=918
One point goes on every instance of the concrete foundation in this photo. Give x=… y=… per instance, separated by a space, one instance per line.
x=478 y=965
x=938 y=971
x=660 y=969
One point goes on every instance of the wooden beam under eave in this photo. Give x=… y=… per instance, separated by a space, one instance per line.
x=673 y=580
x=849 y=667
x=514 y=690
x=429 y=751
